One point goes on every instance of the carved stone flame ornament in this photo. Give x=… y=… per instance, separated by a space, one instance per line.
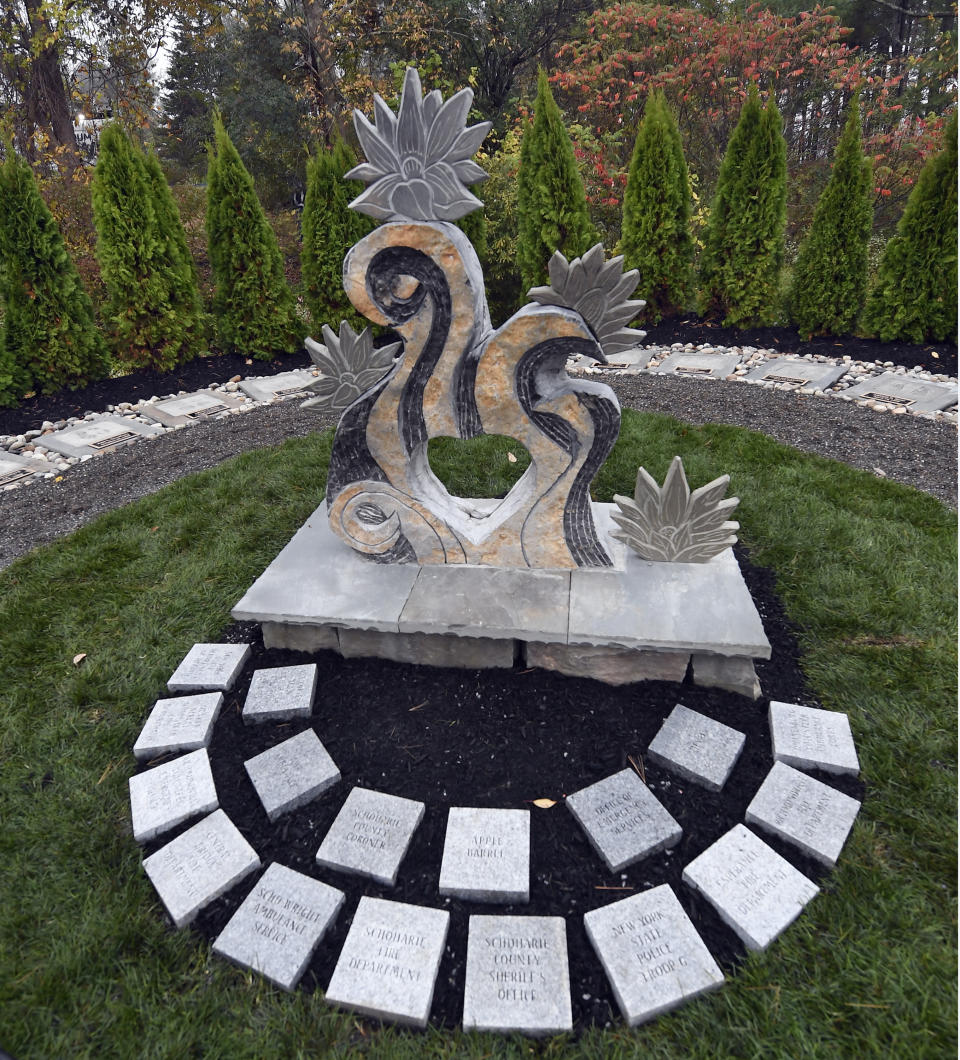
x=671 y=524
x=456 y=376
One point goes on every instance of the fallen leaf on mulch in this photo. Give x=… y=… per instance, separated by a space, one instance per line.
x=544 y=804
x=77 y=659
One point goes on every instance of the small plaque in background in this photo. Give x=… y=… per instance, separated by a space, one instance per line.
x=756 y=892
x=486 y=855
x=292 y=773
x=810 y=738
x=812 y=816
x=389 y=962
x=101 y=435
x=814 y=374
x=15 y=468
x=200 y=865
x=652 y=954
x=371 y=834
x=697 y=748
x=518 y=978
x=279 y=925
x=280 y=693
x=904 y=391
x=207 y=667
x=169 y=794
x=188 y=408
x=623 y=819
x=182 y=724
x=698 y=365
x=269 y=387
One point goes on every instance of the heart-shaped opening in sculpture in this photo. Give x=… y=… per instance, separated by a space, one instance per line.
x=497 y=460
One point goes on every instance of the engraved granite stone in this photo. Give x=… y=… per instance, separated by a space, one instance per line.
x=810 y=738
x=14 y=468
x=98 y=436
x=371 y=834
x=208 y=667
x=917 y=395
x=697 y=748
x=279 y=925
x=796 y=370
x=702 y=365
x=756 y=892
x=188 y=408
x=170 y=794
x=811 y=816
x=389 y=962
x=486 y=855
x=652 y=954
x=518 y=977
x=200 y=865
x=269 y=387
x=292 y=773
x=182 y=724
x=280 y=693
x=623 y=819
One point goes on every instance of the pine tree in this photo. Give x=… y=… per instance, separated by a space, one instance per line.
x=914 y=298
x=253 y=304
x=552 y=202
x=50 y=337
x=330 y=229
x=153 y=309
x=656 y=236
x=830 y=276
x=744 y=245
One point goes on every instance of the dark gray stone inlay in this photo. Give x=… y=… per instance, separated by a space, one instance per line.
x=518 y=976
x=623 y=819
x=279 y=925
x=697 y=748
x=652 y=954
x=181 y=724
x=292 y=773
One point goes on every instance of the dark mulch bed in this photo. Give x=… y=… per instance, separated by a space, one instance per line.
x=502 y=738
x=206 y=371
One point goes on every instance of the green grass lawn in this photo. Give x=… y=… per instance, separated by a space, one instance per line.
x=88 y=967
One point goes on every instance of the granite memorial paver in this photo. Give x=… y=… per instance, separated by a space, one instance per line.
x=623 y=819
x=188 y=408
x=93 y=437
x=169 y=794
x=704 y=365
x=371 y=834
x=653 y=955
x=280 y=693
x=389 y=962
x=486 y=855
x=813 y=817
x=917 y=395
x=200 y=865
x=814 y=374
x=14 y=468
x=181 y=724
x=209 y=667
x=518 y=976
x=756 y=892
x=696 y=747
x=279 y=925
x=811 y=738
x=269 y=387
x=292 y=773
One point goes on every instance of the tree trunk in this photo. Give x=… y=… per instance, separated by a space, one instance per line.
x=45 y=93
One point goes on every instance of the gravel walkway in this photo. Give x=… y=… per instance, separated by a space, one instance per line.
x=919 y=452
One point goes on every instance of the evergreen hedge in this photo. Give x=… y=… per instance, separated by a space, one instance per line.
x=744 y=244
x=50 y=338
x=914 y=298
x=552 y=203
x=254 y=307
x=153 y=311
x=830 y=275
x=656 y=238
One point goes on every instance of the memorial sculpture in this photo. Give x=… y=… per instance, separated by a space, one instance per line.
x=456 y=376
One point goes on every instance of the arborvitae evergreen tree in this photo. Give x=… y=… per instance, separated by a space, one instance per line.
x=253 y=304
x=50 y=337
x=830 y=275
x=153 y=309
x=914 y=298
x=330 y=229
x=743 y=252
x=552 y=202
x=656 y=236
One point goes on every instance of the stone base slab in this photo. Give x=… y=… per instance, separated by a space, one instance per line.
x=636 y=621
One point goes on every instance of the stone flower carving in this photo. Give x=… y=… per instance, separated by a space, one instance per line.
x=600 y=292
x=419 y=161
x=349 y=367
x=670 y=524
